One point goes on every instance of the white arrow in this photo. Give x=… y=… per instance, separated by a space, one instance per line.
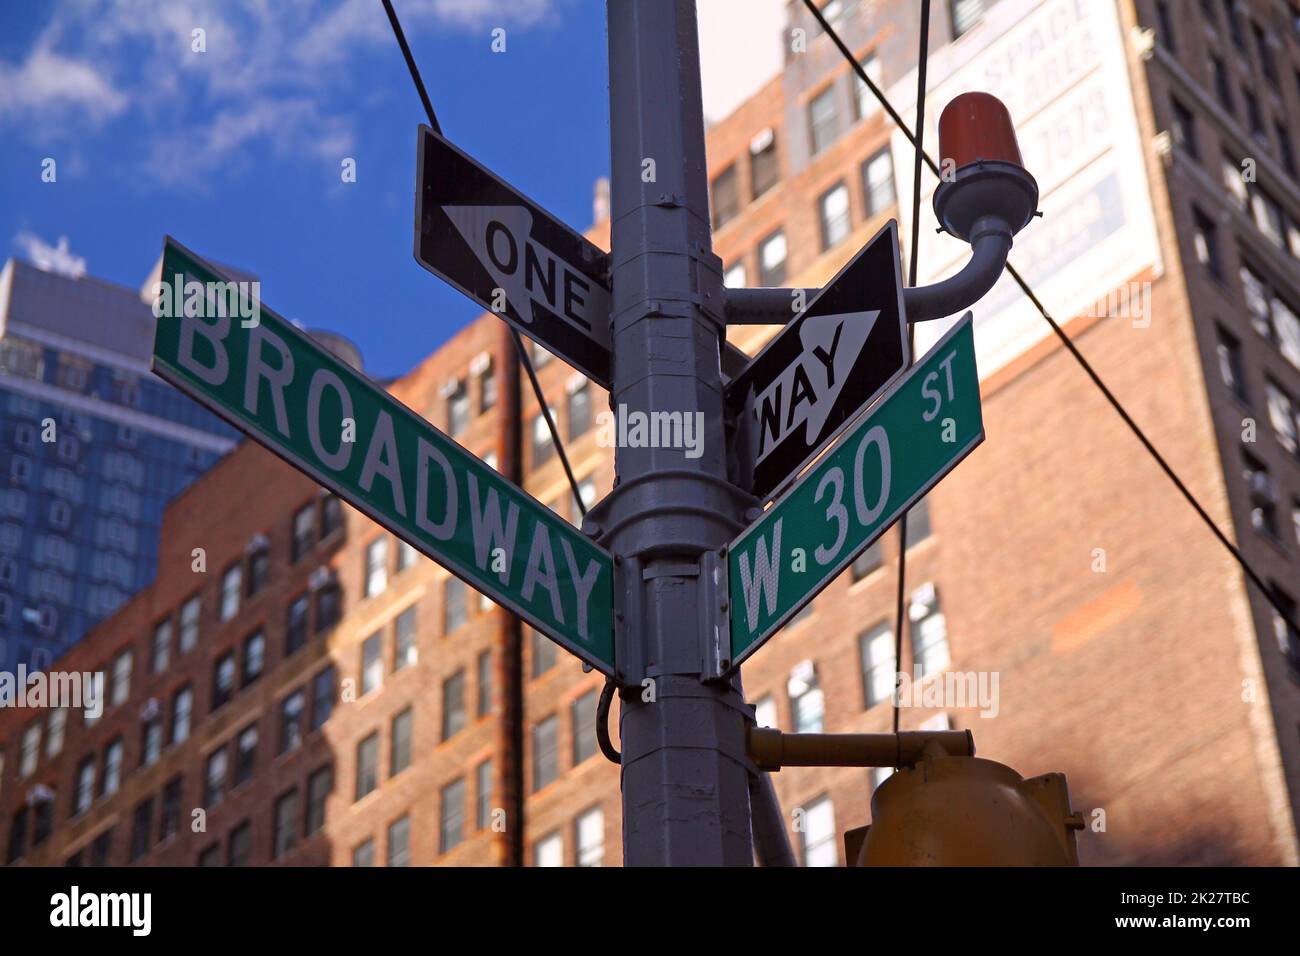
x=806 y=390
x=500 y=238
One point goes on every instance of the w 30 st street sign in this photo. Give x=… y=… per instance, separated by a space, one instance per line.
x=317 y=413
x=917 y=433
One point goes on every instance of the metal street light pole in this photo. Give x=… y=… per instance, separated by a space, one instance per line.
x=684 y=768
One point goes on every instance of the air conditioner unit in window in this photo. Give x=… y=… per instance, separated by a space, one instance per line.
x=39 y=794
x=923 y=601
x=319 y=578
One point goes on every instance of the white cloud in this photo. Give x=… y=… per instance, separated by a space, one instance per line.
x=57 y=258
x=272 y=73
x=48 y=85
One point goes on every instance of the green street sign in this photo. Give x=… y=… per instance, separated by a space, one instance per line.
x=218 y=343
x=917 y=433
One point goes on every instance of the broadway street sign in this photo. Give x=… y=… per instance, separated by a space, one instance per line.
x=317 y=413
x=917 y=433
x=823 y=368
x=511 y=256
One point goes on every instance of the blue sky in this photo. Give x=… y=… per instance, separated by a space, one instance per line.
x=237 y=151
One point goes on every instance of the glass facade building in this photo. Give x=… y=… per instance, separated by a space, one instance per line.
x=92 y=447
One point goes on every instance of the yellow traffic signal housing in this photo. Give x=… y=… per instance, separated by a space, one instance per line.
x=966 y=811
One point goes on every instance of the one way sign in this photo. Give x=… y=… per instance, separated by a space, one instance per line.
x=829 y=363
x=511 y=256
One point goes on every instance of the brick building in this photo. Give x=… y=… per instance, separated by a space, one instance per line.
x=349 y=703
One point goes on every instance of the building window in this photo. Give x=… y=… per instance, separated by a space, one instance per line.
x=818 y=834
x=1282 y=416
x=121 y=684
x=764 y=164
x=823 y=119
x=331 y=515
x=549 y=851
x=451 y=830
x=546 y=762
x=377 y=566
x=291 y=715
x=259 y=566
x=836 y=217
x=400 y=756
x=734 y=277
x=543 y=448
x=864 y=101
x=868 y=561
x=807 y=705
x=254 y=657
x=1164 y=26
x=245 y=754
x=43 y=813
x=1205 y=242
x=543 y=652
x=363 y=854
x=372 y=663
x=1234 y=24
x=304 y=530
x=878 y=182
x=404 y=649
x=583 y=714
x=918 y=522
x=878 y=668
x=367 y=764
x=483 y=788
x=322 y=696
x=240 y=846
x=329 y=605
x=483 y=666
x=169 y=821
x=1222 y=87
x=58 y=722
x=1270 y=316
x=151 y=737
x=84 y=792
x=1263 y=496
x=406 y=556
x=589 y=835
x=112 y=776
x=214 y=778
x=223 y=679
x=1288 y=639
x=725 y=191
x=929 y=632
x=230 y=591
x=182 y=710
x=1231 y=370
x=189 y=630
x=285 y=821
x=295 y=625
x=30 y=750
x=458 y=409
x=453 y=705
x=1254 y=118
x=319 y=785
x=454 y=605
x=210 y=855
x=771 y=260
x=399 y=842
x=142 y=829
x=765 y=711
x=487 y=387
x=579 y=410
x=161 y=647
x=18 y=837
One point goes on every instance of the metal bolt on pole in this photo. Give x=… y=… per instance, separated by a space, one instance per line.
x=685 y=771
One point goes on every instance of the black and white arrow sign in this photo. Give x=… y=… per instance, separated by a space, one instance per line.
x=828 y=364
x=511 y=256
